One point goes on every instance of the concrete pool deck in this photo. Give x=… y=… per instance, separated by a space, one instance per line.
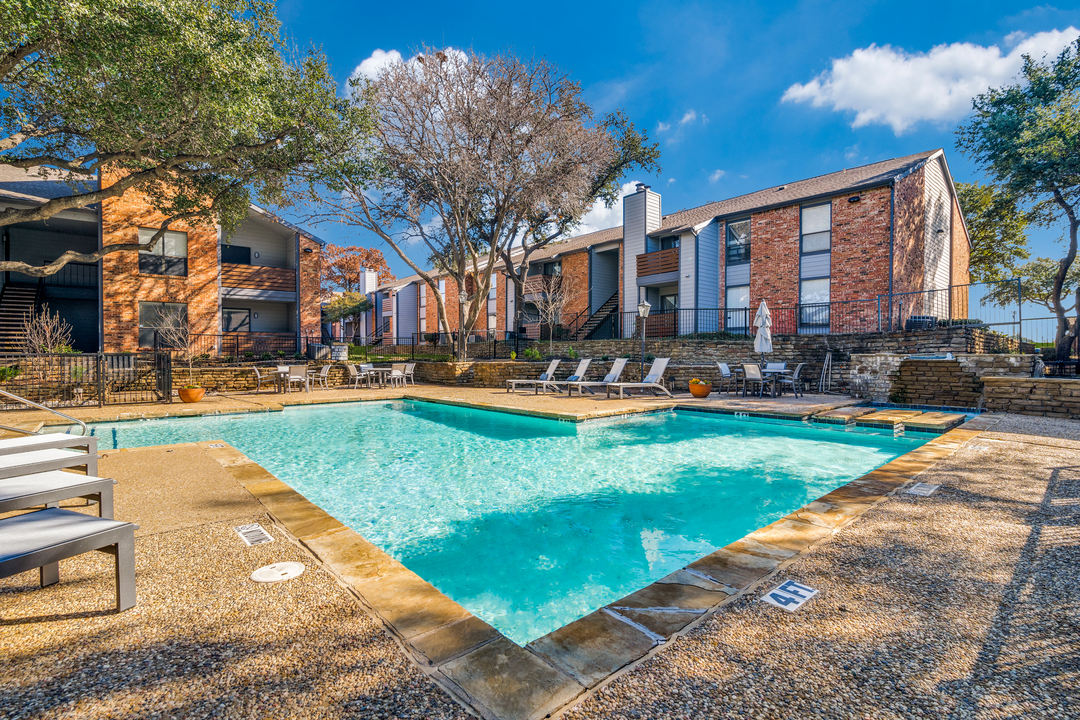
x=434 y=627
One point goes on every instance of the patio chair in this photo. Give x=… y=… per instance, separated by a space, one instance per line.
x=775 y=367
x=298 y=374
x=653 y=381
x=578 y=374
x=397 y=375
x=611 y=377
x=726 y=377
x=356 y=376
x=320 y=376
x=410 y=368
x=512 y=385
x=752 y=374
x=794 y=380
x=42 y=539
x=261 y=379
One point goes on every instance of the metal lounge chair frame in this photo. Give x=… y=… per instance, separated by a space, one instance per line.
x=42 y=539
x=611 y=377
x=653 y=380
x=578 y=374
x=511 y=385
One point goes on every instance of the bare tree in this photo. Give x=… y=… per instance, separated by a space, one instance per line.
x=46 y=333
x=174 y=334
x=468 y=152
x=560 y=292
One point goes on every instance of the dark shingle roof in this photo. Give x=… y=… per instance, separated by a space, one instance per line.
x=39 y=185
x=849 y=180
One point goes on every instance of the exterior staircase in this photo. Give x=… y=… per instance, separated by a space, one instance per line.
x=16 y=302
x=595 y=320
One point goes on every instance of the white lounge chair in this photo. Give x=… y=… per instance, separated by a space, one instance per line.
x=653 y=381
x=578 y=374
x=611 y=377
x=410 y=368
x=357 y=376
x=512 y=385
x=49 y=488
x=42 y=539
x=726 y=376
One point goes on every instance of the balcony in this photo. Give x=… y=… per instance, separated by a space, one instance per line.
x=258 y=277
x=539 y=284
x=658 y=262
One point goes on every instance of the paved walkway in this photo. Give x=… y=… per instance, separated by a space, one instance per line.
x=959 y=605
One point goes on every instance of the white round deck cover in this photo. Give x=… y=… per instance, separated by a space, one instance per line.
x=278 y=572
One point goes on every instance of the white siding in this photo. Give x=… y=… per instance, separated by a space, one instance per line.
x=407 y=311
x=272 y=316
x=272 y=248
x=708 y=266
x=641 y=214
x=938 y=226
x=687 y=262
x=603 y=277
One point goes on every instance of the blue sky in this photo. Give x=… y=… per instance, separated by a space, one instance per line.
x=742 y=95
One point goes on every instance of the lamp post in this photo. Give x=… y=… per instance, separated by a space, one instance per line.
x=643 y=312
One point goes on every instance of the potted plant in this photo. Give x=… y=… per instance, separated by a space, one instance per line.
x=700 y=388
x=173 y=334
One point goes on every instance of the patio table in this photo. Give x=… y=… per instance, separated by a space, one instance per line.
x=382 y=372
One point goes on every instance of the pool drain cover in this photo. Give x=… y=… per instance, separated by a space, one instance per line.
x=278 y=572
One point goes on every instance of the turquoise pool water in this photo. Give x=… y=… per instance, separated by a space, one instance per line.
x=533 y=523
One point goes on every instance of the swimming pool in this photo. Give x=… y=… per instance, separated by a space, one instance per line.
x=532 y=523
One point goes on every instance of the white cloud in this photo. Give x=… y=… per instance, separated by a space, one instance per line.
x=1014 y=38
x=670 y=180
x=601 y=217
x=851 y=152
x=662 y=127
x=716 y=175
x=689 y=117
x=373 y=64
x=888 y=86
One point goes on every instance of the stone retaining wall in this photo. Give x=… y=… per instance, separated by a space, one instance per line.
x=889 y=377
x=1049 y=397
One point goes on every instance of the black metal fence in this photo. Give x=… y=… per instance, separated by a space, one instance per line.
x=87 y=379
x=242 y=346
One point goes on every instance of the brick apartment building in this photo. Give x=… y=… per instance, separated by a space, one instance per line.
x=810 y=248
x=258 y=290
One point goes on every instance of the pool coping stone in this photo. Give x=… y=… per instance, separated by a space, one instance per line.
x=500 y=680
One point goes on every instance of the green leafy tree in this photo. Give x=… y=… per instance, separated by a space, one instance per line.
x=1027 y=138
x=194 y=103
x=345 y=305
x=1037 y=279
x=998 y=228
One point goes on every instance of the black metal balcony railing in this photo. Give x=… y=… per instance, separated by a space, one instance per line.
x=738 y=254
x=74 y=275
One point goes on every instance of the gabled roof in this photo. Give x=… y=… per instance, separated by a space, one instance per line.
x=39 y=185
x=563 y=247
x=837 y=183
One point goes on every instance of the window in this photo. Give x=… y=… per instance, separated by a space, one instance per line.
x=235 y=320
x=669 y=303
x=815 y=226
x=738 y=242
x=669 y=243
x=153 y=316
x=236 y=254
x=815 y=265
x=737 y=312
x=169 y=256
x=493 y=322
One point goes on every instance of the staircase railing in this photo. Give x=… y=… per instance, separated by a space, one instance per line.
x=31 y=403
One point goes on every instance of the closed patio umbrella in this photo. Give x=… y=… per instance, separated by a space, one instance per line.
x=763 y=337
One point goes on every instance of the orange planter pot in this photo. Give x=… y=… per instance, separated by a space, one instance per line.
x=700 y=391
x=190 y=395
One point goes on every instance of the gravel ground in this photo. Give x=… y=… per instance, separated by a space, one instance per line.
x=959 y=605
